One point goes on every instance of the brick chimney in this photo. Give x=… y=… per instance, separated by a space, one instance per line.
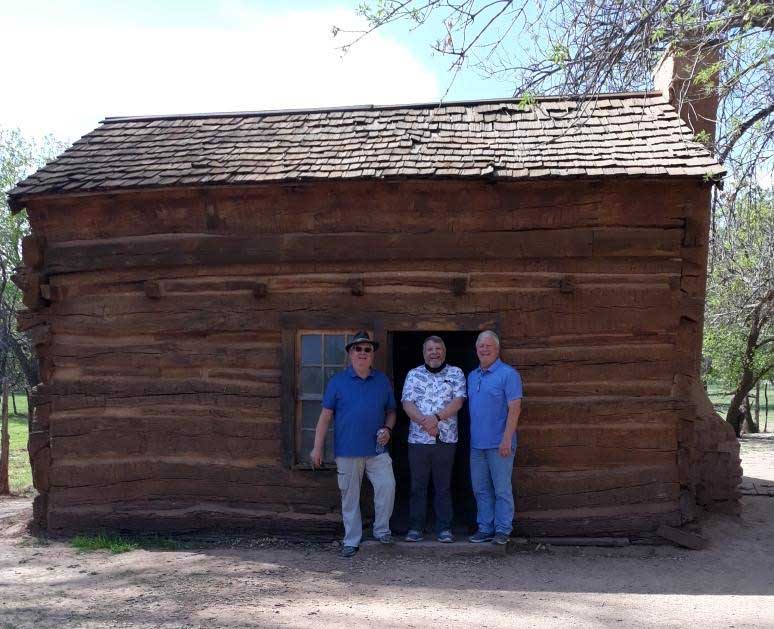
x=697 y=104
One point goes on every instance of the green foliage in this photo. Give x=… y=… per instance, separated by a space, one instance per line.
x=703 y=137
x=19 y=156
x=103 y=541
x=527 y=100
x=741 y=275
x=559 y=54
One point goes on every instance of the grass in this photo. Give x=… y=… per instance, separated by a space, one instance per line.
x=118 y=544
x=103 y=541
x=19 y=471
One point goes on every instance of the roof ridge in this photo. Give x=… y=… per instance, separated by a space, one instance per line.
x=345 y=108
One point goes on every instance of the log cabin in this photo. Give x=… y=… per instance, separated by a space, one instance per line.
x=190 y=282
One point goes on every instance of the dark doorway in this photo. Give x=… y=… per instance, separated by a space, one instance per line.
x=407 y=354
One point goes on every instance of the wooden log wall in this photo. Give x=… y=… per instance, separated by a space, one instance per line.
x=158 y=317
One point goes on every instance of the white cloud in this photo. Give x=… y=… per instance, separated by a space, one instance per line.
x=72 y=76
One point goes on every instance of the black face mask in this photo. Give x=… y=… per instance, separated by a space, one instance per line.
x=435 y=369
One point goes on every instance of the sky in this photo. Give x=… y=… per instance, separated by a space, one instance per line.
x=69 y=64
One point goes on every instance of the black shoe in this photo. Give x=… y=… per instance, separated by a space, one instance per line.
x=501 y=539
x=480 y=537
x=347 y=552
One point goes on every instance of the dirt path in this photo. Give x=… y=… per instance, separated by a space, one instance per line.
x=731 y=584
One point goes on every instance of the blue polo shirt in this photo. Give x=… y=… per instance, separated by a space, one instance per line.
x=359 y=406
x=489 y=392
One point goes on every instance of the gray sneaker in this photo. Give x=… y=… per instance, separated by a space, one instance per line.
x=501 y=539
x=480 y=537
x=414 y=536
x=347 y=552
x=385 y=539
x=446 y=537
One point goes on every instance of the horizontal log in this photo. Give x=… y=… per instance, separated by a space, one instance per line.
x=104 y=472
x=116 y=442
x=215 y=426
x=62 y=401
x=131 y=280
x=165 y=354
x=573 y=456
x=612 y=370
x=207 y=249
x=525 y=314
x=593 y=339
x=656 y=436
x=246 y=495
x=646 y=493
x=188 y=249
x=535 y=481
x=144 y=387
x=407 y=281
x=598 y=521
x=390 y=206
x=599 y=387
x=193 y=516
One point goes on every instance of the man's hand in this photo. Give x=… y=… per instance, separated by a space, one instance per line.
x=383 y=436
x=430 y=425
x=505 y=448
x=317 y=457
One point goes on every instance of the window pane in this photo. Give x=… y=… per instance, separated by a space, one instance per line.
x=310 y=413
x=307 y=443
x=334 y=349
x=330 y=372
x=311 y=349
x=311 y=380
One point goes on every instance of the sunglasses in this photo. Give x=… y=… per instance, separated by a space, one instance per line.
x=363 y=349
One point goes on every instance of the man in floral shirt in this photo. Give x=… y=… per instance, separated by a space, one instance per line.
x=432 y=395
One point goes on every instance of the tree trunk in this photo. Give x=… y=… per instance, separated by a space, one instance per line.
x=758 y=318
x=758 y=404
x=13 y=402
x=752 y=425
x=5 y=443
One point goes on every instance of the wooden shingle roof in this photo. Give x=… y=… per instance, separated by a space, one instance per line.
x=614 y=135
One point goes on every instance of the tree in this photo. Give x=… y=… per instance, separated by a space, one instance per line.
x=19 y=156
x=739 y=333
x=586 y=47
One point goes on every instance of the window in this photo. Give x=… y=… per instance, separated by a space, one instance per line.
x=320 y=356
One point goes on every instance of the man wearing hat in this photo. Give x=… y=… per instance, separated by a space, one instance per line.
x=361 y=404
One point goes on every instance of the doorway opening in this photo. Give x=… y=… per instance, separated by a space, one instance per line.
x=407 y=354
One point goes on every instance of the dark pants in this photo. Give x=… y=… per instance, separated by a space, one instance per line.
x=424 y=460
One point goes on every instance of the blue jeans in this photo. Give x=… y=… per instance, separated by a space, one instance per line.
x=490 y=475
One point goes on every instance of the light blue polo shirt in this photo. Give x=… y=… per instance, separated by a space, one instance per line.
x=489 y=392
x=359 y=407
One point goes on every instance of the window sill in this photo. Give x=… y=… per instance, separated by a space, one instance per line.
x=306 y=467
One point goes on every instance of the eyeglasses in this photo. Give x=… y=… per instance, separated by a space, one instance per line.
x=363 y=349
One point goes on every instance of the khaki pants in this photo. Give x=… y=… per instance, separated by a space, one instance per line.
x=350 y=476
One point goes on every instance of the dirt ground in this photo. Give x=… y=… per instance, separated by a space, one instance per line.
x=47 y=584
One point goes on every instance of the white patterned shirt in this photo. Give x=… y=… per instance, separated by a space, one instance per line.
x=431 y=393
